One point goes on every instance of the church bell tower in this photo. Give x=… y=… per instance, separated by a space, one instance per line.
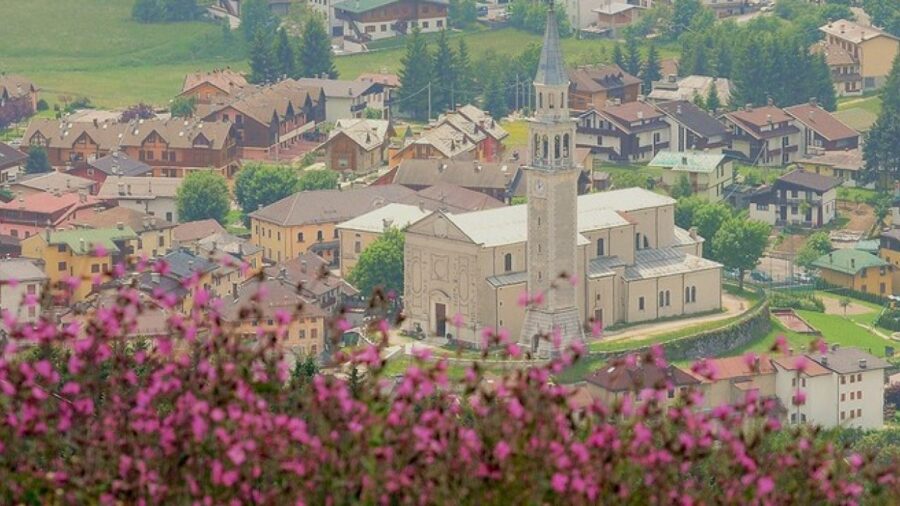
x=552 y=196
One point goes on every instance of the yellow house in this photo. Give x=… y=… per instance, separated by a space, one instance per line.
x=306 y=221
x=874 y=50
x=857 y=270
x=357 y=234
x=843 y=165
x=154 y=234
x=82 y=253
x=889 y=250
x=305 y=332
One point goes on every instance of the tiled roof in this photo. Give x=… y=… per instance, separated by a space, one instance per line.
x=138 y=221
x=83 y=241
x=53 y=181
x=790 y=363
x=484 y=120
x=630 y=112
x=47 y=203
x=453 y=198
x=848 y=360
x=225 y=79
x=278 y=296
x=604 y=266
x=19 y=269
x=183 y=264
x=139 y=187
x=338 y=88
x=15 y=86
x=117 y=163
x=393 y=215
x=654 y=263
x=263 y=103
x=332 y=206
x=228 y=243
x=11 y=157
x=446 y=139
x=693 y=118
x=633 y=378
x=760 y=116
x=177 y=133
x=852 y=32
x=360 y=6
x=834 y=54
x=310 y=272
x=690 y=161
x=469 y=174
x=821 y=121
x=739 y=367
x=512 y=278
x=810 y=180
x=689 y=86
x=626 y=199
x=391 y=80
x=605 y=77
x=850 y=159
x=848 y=261
x=366 y=133
x=194 y=230
x=613 y=8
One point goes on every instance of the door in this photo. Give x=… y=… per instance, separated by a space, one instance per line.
x=440 y=319
x=783 y=213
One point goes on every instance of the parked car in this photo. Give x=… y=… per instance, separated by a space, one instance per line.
x=482 y=10
x=760 y=277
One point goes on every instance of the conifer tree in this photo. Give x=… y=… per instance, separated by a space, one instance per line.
x=617 y=57
x=415 y=76
x=285 y=58
x=263 y=67
x=712 y=102
x=632 y=56
x=316 y=57
x=882 y=149
x=495 y=96
x=445 y=73
x=465 y=80
x=255 y=15
x=651 y=70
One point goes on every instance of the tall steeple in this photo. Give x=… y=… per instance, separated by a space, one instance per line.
x=552 y=200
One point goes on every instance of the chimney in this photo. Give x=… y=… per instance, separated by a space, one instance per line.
x=234 y=291
x=81 y=245
x=120 y=225
x=693 y=232
x=813 y=101
x=853 y=263
x=96 y=124
x=640 y=115
x=769 y=101
x=756 y=364
x=748 y=107
x=824 y=360
x=863 y=363
x=422 y=206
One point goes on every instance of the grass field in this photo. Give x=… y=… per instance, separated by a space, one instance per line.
x=871 y=103
x=92 y=48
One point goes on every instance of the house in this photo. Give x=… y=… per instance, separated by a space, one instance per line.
x=480 y=128
x=495 y=179
x=581 y=15
x=270 y=118
x=726 y=8
x=368 y=20
x=889 y=251
x=633 y=264
x=358 y=145
x=616 y=380
x=28 y=215
x=820 y=130
x=765 y=136
x=693 y=128
x=594 y=87
x=9 y=246
x=734 y=378
x=86 y=254
x=686 y=88
x=310 y=274
x=242 y=249
x=629 y=132
x=857 y=270
x=348 y=99
x=21 y=289
x=172 y=147
x=12 y=162
x=389 y=81
x=154 y=235
x=303 y=335
x=611 y=17
x=187 y=273
x=844 y=67
x=325 y=8
x=214 y=86
x=113 y=164
x=873 y=49
x=798 y=198
x=358 y=233
x=151 y=195
x=844 y=165
x=188 y=234
x=440 y=142
x=708 y=173
x=51 y=182
x=18 y=99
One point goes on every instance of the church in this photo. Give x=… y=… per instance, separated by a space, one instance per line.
x=611 y=257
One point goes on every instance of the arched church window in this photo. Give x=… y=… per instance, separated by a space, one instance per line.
x=556 y=148
x=540 y=100
x=546 y=146
x=562 y=99
x=537 y=146
x=646 y=242
x=550 y=100
x=566 y=146
x=507 y=262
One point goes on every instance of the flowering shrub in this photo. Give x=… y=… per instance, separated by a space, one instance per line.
x=203 y=416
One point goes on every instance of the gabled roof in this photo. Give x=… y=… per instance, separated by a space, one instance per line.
x=10 y=156
x=84 y=241
x=654 y=263
x=332 y=206
x=834 y=54
x=119 y=163
x=391 y=215
x=689 y=86
x=848 y=261
x=195 y=230
x=139 y=187
x=551 y=69
x=601 y=78
x=693 y=118
x=366 y=133
x=54 y=181
x=633 y=378
x=850 y=159
x=760 y=116
x=468 y=174
x=455 y=198
x=340 y=88
x=446 y=139
x=177 y=133
x=389 y=80
x=628 y=113
x=183 y=264
x=848 y=360
x=225 y=79
x=136 y=220
x=15 y=86
x=228 y=243
x=311 y=274
x=739 y=367
x=612 y=8
x=810 y=180
x=790 y=363
x=263 y=103
x=277 y=296
x=821 y=121
x=20 y=269
x=691 y=161
x=47 y=203
x=852 y=32
x=484 y=121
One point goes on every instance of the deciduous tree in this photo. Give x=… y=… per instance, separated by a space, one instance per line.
x=318 y=180
x=203 y=195
x=380 y=265
x=260 y=185
x=739 y=243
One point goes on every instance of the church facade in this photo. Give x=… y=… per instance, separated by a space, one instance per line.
x=607 y=257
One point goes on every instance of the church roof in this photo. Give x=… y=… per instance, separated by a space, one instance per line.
x=551 y=68
x=654 y=263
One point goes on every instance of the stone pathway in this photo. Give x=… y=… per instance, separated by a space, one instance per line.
x=733 y=306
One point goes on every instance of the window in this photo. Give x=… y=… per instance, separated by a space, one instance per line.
x=762 y=207
x=95 y=268
x=640 y=303
x=314 y=333
x=302 y=333
x=646 y=242
x=507 y=262
x=61 y=248
x=320 y=236
x=383 y=28
x=843 y=380
x=843 y=415
x=852 y=395
x=424 y=24
x=169 y=217
x=668 y=298
x=881 y=288
x=32 y=289
x=357 y=247
x=858 y=412
x=662 y=300
x=843 y=397
x=687 y=294
x=693 y=294
x=858 y=394
x=793 y=417
x=61 y=266
x=313 y=350
x=600 y=247
x=671 y=393
x=859 y=377
x=440 y=23
x=637 y=240
x=278 y=236
x=656 y=138
x=852 y=378
x=336 y=233
x=270 y=233
x=300 y=237
x=370 y=29
x=161 y=241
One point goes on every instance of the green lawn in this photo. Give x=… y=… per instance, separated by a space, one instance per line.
x=851 y=194
x=870 y=103
x=518 y=132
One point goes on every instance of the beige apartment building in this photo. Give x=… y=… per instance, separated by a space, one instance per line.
x=868 y=49
x=357 y=234
x=633 y=264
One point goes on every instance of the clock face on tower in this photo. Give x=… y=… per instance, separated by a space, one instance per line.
x=540 y=188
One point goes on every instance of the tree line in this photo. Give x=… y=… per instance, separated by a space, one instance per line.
x=444 y=76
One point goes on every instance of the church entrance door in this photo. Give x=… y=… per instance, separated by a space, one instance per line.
x=440 y=319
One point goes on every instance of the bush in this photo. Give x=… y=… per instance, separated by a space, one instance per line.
x=890 y=320
x=42 y=105
x=794 y=301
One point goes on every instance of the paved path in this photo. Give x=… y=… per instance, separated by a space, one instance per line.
x=733 y=306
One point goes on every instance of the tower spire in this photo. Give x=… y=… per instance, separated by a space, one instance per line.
x=551 y=70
